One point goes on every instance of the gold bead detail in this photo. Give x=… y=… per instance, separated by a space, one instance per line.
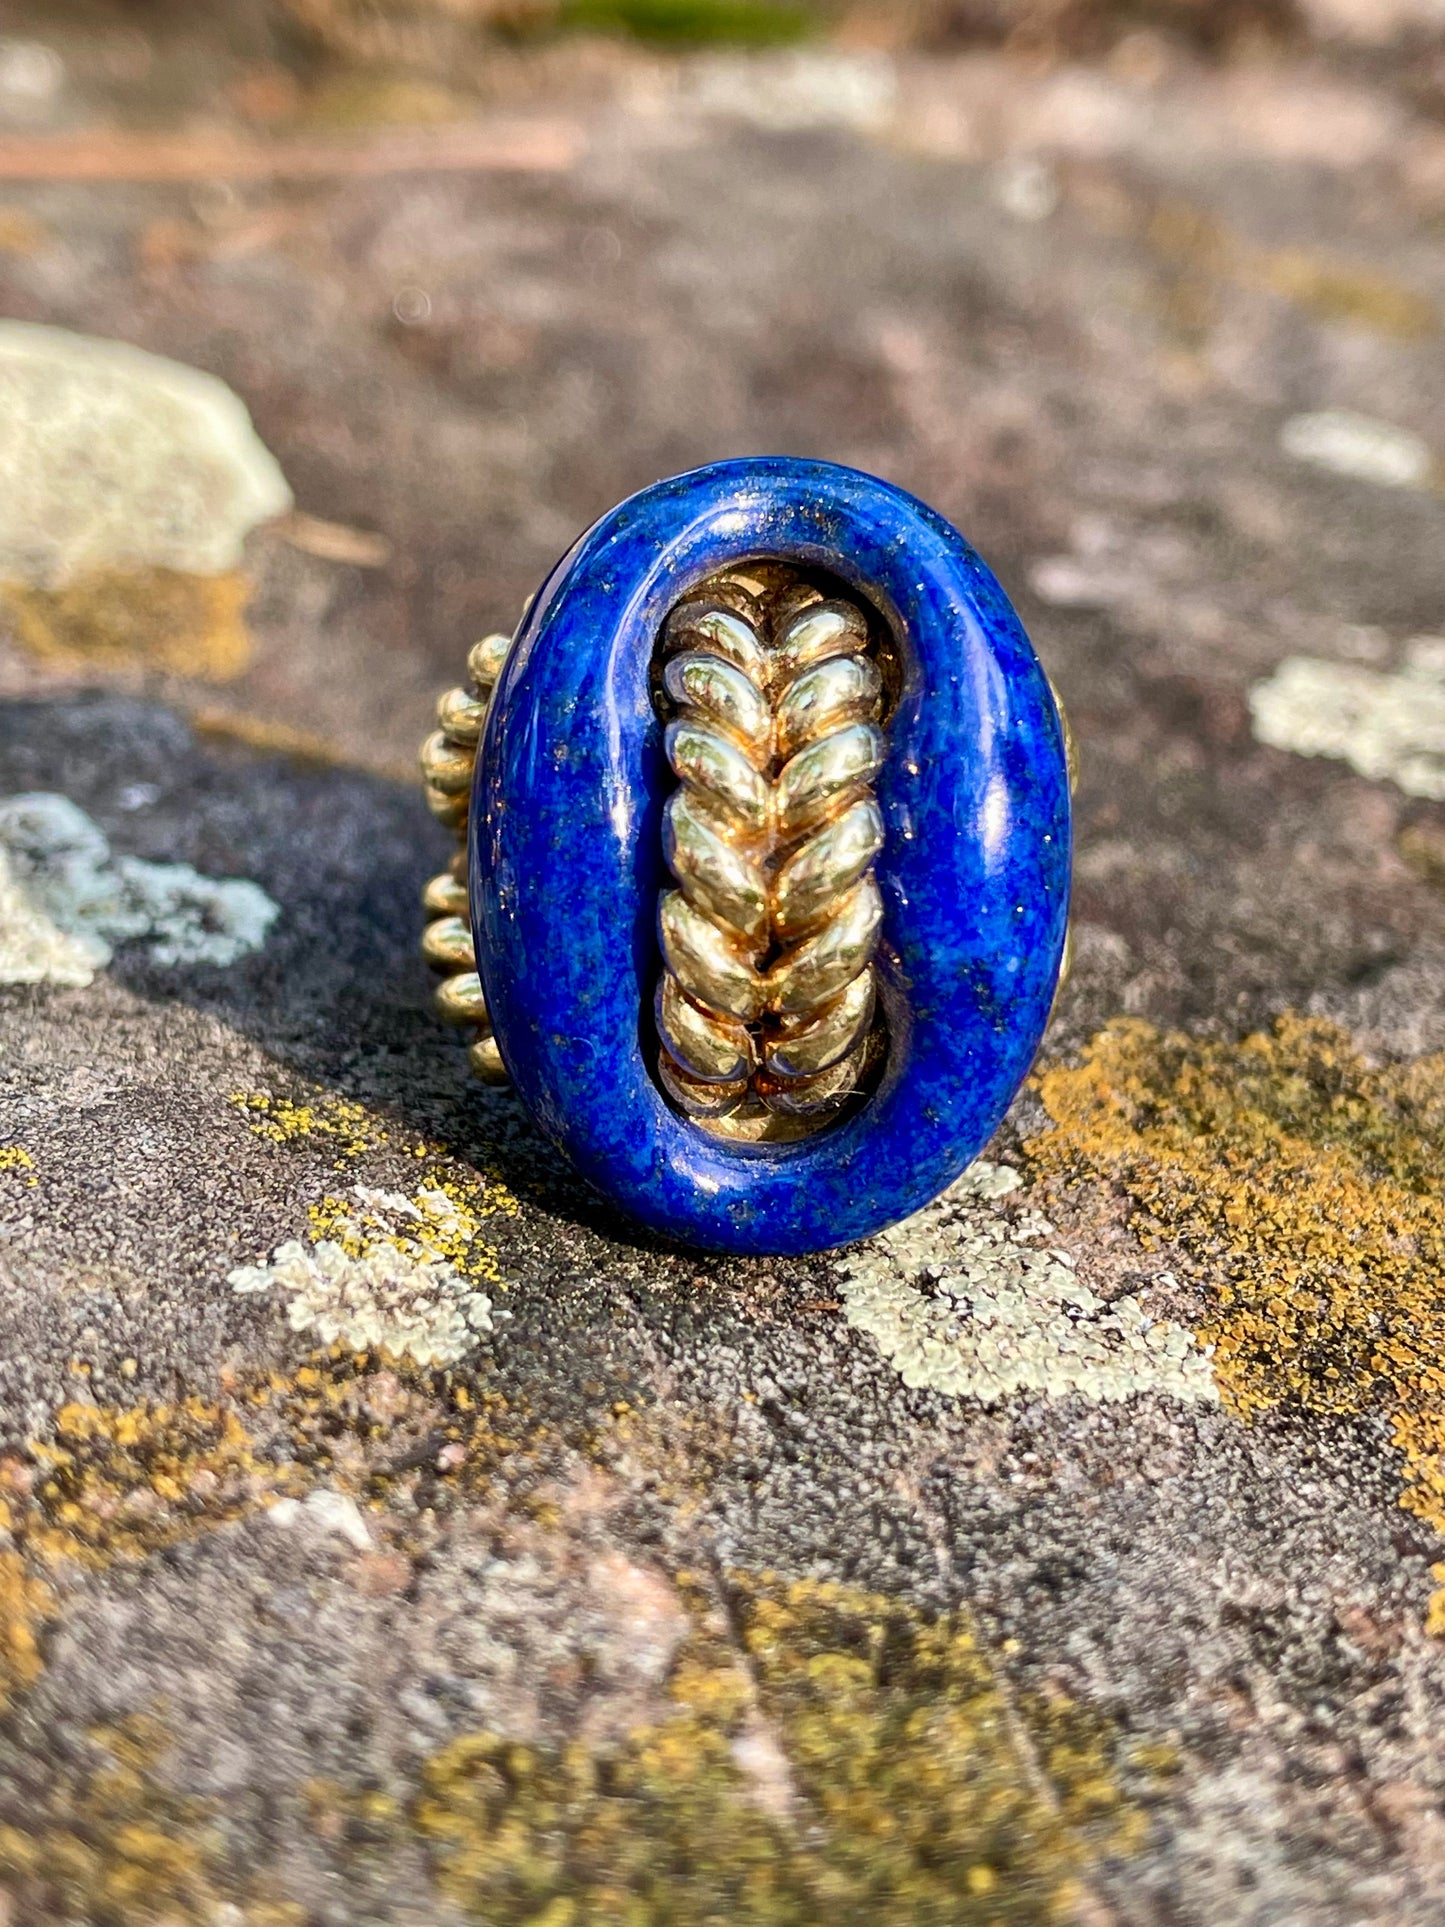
x=448 y=762
x=445 y=896
x=486 y=1061
x=447 y=808
x=446 y=766
x=460 y=716
x=485 y=659
x=447 y=945
x=459 y=1000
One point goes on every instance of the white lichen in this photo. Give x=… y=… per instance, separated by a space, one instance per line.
x=32 y=949
x=379 y=1281
x=1344 y=443
x=967 y=1299
x=67 y=903
x=1386 y=727
x=111 y=458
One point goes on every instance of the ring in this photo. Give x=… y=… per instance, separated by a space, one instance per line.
x=762 y=888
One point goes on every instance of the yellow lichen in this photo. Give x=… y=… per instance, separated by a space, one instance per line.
x=304 y=746
x=349 y=1126
x=1199 y=255
x=390 y=1273
x=1334 y=290
x=441 y=1224
x=381 y=1270
x=26 y=1602
x=14 y=1157
x=117 y=1848
x=1311 y=1184
x=123 y=1482
x=20 y=232
x=114 y=1483
x=188 y=625
x=113 y=1844
x=896 y=1780
x=339 y=1415
x=355 y=1132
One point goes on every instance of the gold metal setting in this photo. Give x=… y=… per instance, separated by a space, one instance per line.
x=773 y=691
x=448 y=760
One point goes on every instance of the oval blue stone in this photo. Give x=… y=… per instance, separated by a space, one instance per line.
x=566 y=859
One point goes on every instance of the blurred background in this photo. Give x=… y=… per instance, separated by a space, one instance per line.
x=1144 y=294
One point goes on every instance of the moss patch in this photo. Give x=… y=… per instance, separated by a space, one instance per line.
x=1312 y=1186
x=839 y=1758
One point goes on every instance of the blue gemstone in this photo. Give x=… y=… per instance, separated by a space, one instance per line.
x=567 y=867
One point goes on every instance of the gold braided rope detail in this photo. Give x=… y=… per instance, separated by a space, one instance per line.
x=766 y=1008
x=448 y=760
x=786 y=1071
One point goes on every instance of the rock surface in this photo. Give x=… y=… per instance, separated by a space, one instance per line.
x=1066 y=1554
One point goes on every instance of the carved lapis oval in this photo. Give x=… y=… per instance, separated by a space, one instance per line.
x=566 y=858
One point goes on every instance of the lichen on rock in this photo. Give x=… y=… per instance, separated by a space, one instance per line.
x=966 y=1300
x=67 y=902
x=155 y=619
x=386 y=1272
x=1386 y=727
x=1309 y=1187
x=119 y=1846
x=916 y=1788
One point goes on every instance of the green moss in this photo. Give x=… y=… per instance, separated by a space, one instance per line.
x=899 y=1782
x=696 y=22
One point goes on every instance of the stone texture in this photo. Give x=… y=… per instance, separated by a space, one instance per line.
x=115 y=459
x=207 y=1715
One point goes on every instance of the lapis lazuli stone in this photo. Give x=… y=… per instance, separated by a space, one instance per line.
x=566 y=860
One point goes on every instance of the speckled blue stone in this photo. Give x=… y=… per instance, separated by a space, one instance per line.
x=567 y=858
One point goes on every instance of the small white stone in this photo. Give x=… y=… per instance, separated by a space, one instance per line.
x=111 y=458
x=1339 y=440
x=334 y=1512
x=1067 y=582
x=30 y=73
x=1026 y=186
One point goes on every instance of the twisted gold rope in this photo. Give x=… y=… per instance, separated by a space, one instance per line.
x=766 y=1004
